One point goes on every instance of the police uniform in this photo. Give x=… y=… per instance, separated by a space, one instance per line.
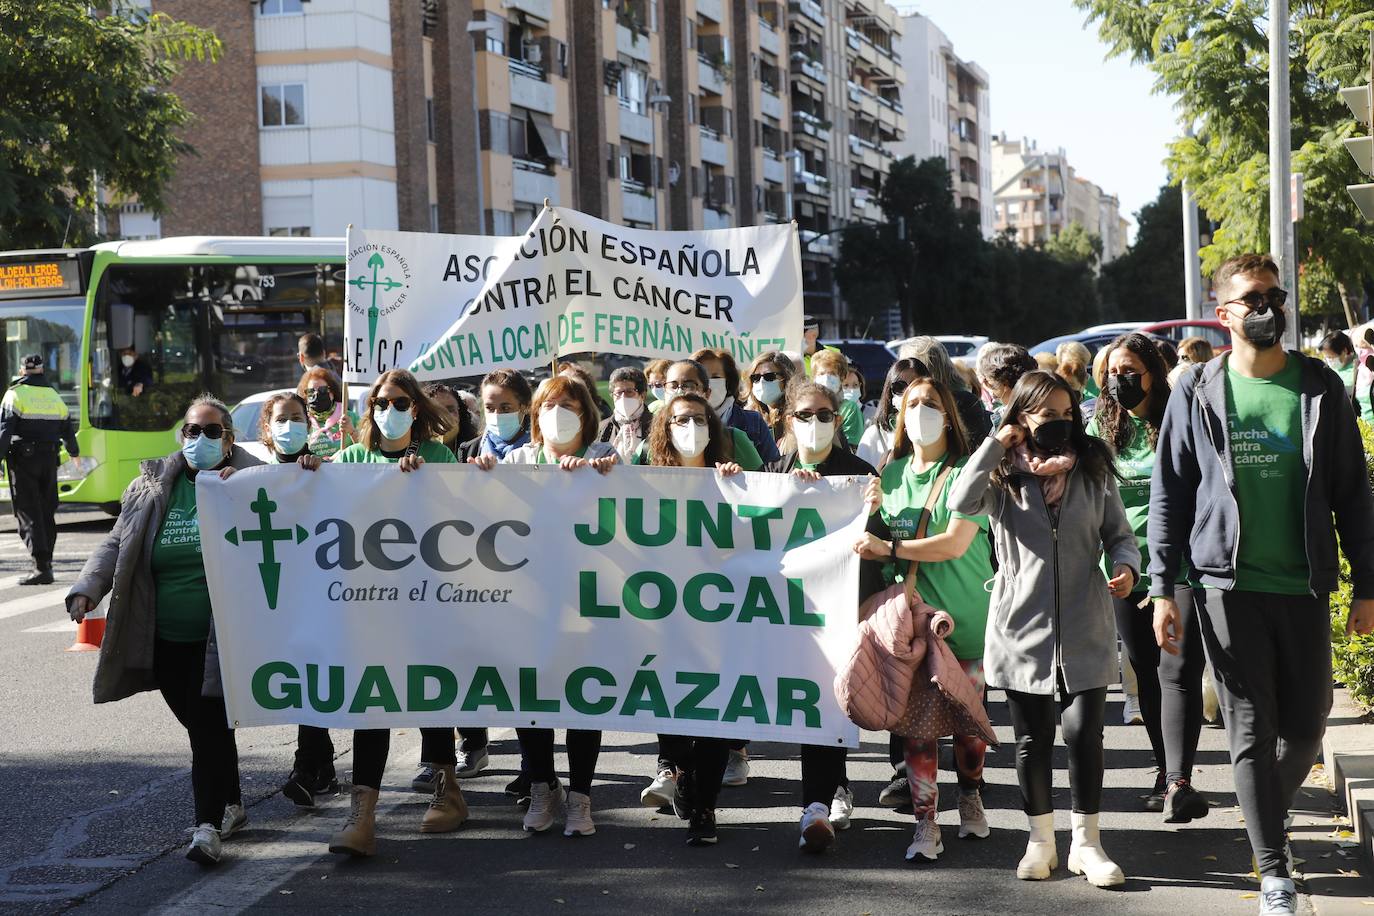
x=34 y=422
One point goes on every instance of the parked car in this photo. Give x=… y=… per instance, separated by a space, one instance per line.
x=962 y=348
x=1093 y=340
x=246 y=414
x=871 y=357
x=1207 y=328
x=1119 y=327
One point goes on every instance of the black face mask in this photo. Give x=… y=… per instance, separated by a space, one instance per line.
x=1127 y=389
x=1053 y=436
x=1263 y=329
x=321 y=400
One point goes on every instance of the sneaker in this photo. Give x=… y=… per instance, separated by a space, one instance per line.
x=841 y=808
x=684 y=804
x=702 y=829
x=661 y=791
x=302 y=787
x=545 y=801
x=896 y=793
x=737 y=770
x=578 y=820
x=204 y=846
x=1130 y=711
x=973 y=820
x=1183 y=803
x=1278 y=896
x=519 y=789
x=235 y=819
x=424 y=780
x=1154 y=802
x=471 y=765
x=816 y=830
x=926 y=841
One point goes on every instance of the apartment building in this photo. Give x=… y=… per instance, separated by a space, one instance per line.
x=1037 y=194
x=947 y=103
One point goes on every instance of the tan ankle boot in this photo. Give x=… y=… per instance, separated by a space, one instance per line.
x=359 y=834
x=447 y=809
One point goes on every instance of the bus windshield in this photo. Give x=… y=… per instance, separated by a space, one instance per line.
x=51 y=327
x=161 y=334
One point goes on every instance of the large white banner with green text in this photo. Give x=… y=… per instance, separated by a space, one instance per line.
x=453 y=305
x=649 y=599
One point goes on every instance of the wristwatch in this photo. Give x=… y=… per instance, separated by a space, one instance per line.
x=894 y=550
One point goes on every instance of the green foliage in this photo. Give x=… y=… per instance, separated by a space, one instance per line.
x=83 y=91
x=1146 y=283
x=1352 y=657
x=1213 y=56
x=1076 y=245
x=931 y=259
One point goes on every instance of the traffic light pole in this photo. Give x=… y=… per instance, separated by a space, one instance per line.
x=1281 y=241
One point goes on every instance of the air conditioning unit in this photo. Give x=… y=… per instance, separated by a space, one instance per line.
x=534 y=54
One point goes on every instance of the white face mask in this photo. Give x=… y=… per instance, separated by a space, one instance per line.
x=1335 y=362
x=628 y=408
x=127 y=360
x=829 y=380
x=716 y=396
x=924 y=425
x=767 y=392
x=897 y=402
x=850 y=394
x=657 y=391
x=813 y=435
x=690 y=440
x=559 y=425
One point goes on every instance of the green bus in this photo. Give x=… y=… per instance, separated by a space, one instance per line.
x=196 y=314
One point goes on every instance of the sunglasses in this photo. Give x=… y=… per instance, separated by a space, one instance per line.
x=1257 y=301
x=899 y=385
x=401 y=403
x=195 y=430
x=689 y=419
x=765 y=377
x=825 y=415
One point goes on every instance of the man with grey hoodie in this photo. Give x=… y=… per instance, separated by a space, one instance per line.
x=1258 y=450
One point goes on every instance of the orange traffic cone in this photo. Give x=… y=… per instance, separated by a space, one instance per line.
x=90 y=631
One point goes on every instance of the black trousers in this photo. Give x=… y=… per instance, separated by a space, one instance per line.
x=1169 y=687
x=33 y=491
x=1032 y=719
x=702 y=761
x=584 y=747
x=314 y=751
x=179 y=668
x=1271 y=655
x=823 y=771
x=372 y=745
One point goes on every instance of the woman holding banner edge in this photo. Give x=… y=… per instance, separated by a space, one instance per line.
x=564 y=433
x=403 y=427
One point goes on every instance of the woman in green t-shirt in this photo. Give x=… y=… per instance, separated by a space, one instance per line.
x=954 y=563
x=1129 y=413
x=402 y=427
x=829 y=368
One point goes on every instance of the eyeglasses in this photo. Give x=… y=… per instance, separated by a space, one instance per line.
x=765 y=377
x=1257 y=301
x=825 y=415
x=195 y=430
x=688 y=385
x=688 y=419
x=401 y=403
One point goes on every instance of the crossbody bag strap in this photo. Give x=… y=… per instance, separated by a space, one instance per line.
x=914 y=565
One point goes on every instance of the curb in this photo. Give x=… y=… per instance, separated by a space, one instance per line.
x=1348 y=750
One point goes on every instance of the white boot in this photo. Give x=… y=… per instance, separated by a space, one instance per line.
x=1041 y=857
x=1088 y=858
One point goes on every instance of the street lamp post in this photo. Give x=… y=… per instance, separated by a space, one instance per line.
x=1280 y=163
x=656 y=104
x=476 y=27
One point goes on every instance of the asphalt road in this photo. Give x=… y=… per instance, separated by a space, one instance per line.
x=96 y=802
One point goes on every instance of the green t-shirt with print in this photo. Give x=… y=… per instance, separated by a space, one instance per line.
x=433 y=452
x=1264 y=423
x=852 y=422
x=956 y=586
x=180 y=589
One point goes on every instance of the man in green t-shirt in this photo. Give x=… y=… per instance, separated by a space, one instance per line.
x=1257 y=452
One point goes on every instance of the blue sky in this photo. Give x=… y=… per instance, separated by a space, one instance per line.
x=1050 y=82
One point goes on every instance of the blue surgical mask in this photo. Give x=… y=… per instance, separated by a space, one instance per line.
x=289 y=436
x=506 y=425
x=392 y=423
x=203 y=453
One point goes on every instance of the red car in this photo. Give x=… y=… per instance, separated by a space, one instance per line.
x=1179 y=329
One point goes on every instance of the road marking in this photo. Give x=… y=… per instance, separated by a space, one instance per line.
x=31 y=603
x=62 y=626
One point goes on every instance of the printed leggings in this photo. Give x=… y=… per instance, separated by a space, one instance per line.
x=923 y=758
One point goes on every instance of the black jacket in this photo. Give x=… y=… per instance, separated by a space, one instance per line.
x=839 y=463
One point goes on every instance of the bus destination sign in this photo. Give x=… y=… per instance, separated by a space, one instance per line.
x=49 y=277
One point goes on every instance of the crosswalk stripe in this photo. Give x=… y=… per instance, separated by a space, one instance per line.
x=31 y=603
x=61 y=626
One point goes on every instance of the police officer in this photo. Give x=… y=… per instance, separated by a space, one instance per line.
x=34 y=421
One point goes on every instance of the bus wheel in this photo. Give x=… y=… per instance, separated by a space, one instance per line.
x=110 y=508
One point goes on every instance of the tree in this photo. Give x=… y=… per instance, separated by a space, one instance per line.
x=1213 y=55
x=1075 y=244
x=1146 y=283
x=83 y=93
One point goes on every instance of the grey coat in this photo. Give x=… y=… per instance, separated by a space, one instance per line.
x=122 y=568
x=1050 y=606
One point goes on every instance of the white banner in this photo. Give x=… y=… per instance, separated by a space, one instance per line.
x=571 y=284
x=649 y=600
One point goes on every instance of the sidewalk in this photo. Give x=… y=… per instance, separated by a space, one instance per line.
x=1333 y=827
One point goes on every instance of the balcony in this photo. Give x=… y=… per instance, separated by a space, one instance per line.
x=635 y=126
x=769 y=39
x=632 y=44
x=711 y=9
x=810 y=9
x=969 y=190
x=528 y=89
x=810 y=182
x=713 y=148
x=532 y=187
x=637 y=203
x=708 y=77
x=774 y=169
x=807 y=123
x=812 y=68
x=968 y=149
x=770 y=103
x=543 y=9
x=816 y=243
x=715 y=219
x=969 y=110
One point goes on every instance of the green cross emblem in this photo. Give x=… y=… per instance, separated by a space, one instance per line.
x=267 y=536
x=376 y=262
